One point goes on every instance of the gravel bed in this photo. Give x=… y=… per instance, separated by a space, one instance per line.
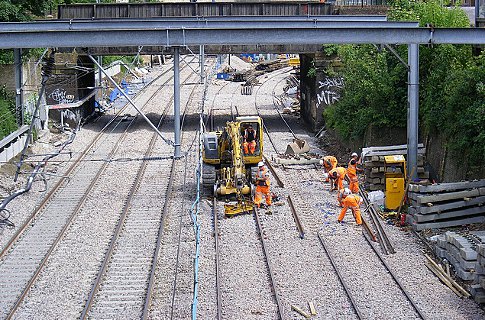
x=302 y=270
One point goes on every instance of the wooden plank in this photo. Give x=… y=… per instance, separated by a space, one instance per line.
x=445 y=224
x=447 y=215
x=451 y=186
x=446 y=206
x=313 y=311
x=420 y=198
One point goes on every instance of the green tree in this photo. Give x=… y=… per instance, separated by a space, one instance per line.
x=452 y=100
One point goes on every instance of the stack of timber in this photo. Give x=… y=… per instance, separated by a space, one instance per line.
x=478 y=286
x=445 y=205
x=461 y=250
x=373 y=160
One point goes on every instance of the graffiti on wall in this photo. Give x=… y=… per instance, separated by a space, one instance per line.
x=60 y=96
x=329 y=90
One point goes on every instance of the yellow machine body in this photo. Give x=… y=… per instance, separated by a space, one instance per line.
x=224 y=153
x=395 y=175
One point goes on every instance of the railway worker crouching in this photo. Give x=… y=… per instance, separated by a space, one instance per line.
x=340 y=195
x=328 y=163
x=352 y=170
x=353 y=202
x=337 y=176
x=262 y=186
x=249 y=144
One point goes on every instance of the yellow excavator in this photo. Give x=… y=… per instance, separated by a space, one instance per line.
x=229 y=167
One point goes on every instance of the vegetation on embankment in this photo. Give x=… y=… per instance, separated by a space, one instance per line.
x=452 y=86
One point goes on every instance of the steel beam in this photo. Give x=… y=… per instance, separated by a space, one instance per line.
x=250 y=36
x=99 y=25
x=202 y=63
x=176 y=101
x=413 y=111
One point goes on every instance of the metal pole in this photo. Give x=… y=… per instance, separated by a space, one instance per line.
x=413 y=110
x=176 y=100
x=129 y=99
x=100 y=81
x=17 y=55
x=202 y=63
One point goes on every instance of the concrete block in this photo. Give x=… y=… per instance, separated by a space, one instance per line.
x=481 y=249
x=463 y=274
x=482 y=282
x=468 y=254
x=441 y=241
x=478 y=293
x=440 y=252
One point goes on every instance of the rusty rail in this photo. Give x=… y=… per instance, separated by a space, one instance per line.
x=299 y=226
x=275 y=175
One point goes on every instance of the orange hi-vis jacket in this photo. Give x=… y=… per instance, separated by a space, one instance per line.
x=262 y=188
x=353 y=202
x=352 y=174
x=341 y=172
x=332 y=160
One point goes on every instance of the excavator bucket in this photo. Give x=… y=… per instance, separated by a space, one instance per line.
x=297 y=146
x=238 y=208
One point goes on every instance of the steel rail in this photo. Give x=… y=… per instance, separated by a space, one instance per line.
x=268 y=265
x=273 y=171
x=394 y=277
x=124 y=214
x=217 y=258
x=81 y=201
x=299 y=226
x=384 y=241
x=177 y=262
x=75 y=164
x=257 y=107
x=341 y=279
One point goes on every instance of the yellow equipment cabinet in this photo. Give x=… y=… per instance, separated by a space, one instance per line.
x=395 y=175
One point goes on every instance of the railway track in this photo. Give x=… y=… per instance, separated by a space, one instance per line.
x=127 y=274
x=304 y=214
x=64 y=204
x=39 y=236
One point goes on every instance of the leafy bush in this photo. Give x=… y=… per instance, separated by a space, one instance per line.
x=452 y=82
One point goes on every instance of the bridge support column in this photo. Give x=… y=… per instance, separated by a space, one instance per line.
x=19 y=96
x=176 y=100
x=202 y=63
x=413 y=110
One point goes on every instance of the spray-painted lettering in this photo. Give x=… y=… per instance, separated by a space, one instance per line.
x=329 y=90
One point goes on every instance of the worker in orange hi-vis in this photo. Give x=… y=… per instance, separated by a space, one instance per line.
x=337 y=176
x=249 y=144
x=328 y=163
x=262 y=186
x=340 y=195
x=352 y=170
x=353 y=202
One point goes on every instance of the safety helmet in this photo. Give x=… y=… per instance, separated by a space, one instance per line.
x=354 y=154
x=334 y=174
x=346 y=192
x=260 y=163
x=266 y=175
x=321 y=161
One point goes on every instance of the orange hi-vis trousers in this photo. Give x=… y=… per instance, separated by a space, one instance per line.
x=353 y=202
x=260 y=191
x=354 y=184
x=249 y=147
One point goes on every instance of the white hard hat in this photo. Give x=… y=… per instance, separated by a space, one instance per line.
x=354 y=155
x=347 y=192
x=321 y=161
x=325 y=175
x=260 y=163
x=267 y=174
